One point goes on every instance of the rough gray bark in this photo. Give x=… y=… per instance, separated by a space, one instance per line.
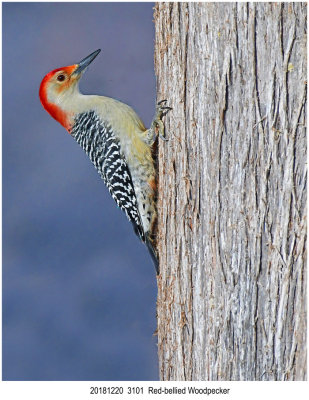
x=232 y=191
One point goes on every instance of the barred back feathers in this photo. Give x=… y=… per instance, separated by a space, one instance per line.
x=99 y=142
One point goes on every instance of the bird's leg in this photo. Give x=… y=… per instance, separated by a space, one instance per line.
x=157 y=127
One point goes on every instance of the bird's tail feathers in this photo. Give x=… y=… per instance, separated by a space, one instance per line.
x=145 y=237
x=152 y=253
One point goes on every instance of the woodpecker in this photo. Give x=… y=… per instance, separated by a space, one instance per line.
x=116 y=141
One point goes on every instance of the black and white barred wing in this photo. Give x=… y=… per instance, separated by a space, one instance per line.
x=103 y=149
x=117 y=178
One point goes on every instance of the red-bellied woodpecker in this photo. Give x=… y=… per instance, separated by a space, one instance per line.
x=115 y=139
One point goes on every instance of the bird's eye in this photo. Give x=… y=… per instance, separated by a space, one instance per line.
x=60 y=78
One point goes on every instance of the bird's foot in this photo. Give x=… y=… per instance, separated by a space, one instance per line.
x=157 y=127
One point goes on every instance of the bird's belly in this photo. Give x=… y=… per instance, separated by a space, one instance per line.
x=142 y=176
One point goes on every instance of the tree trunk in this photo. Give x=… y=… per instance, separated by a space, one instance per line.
x=232 y=191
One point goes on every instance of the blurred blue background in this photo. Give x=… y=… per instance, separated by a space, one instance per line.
x=79 y=289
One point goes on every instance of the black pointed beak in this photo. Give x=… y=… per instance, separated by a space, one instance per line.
x=82 y=65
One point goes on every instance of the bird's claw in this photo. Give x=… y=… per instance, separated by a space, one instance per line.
x=157 y=126
x=163 y=138
x=161 y=110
